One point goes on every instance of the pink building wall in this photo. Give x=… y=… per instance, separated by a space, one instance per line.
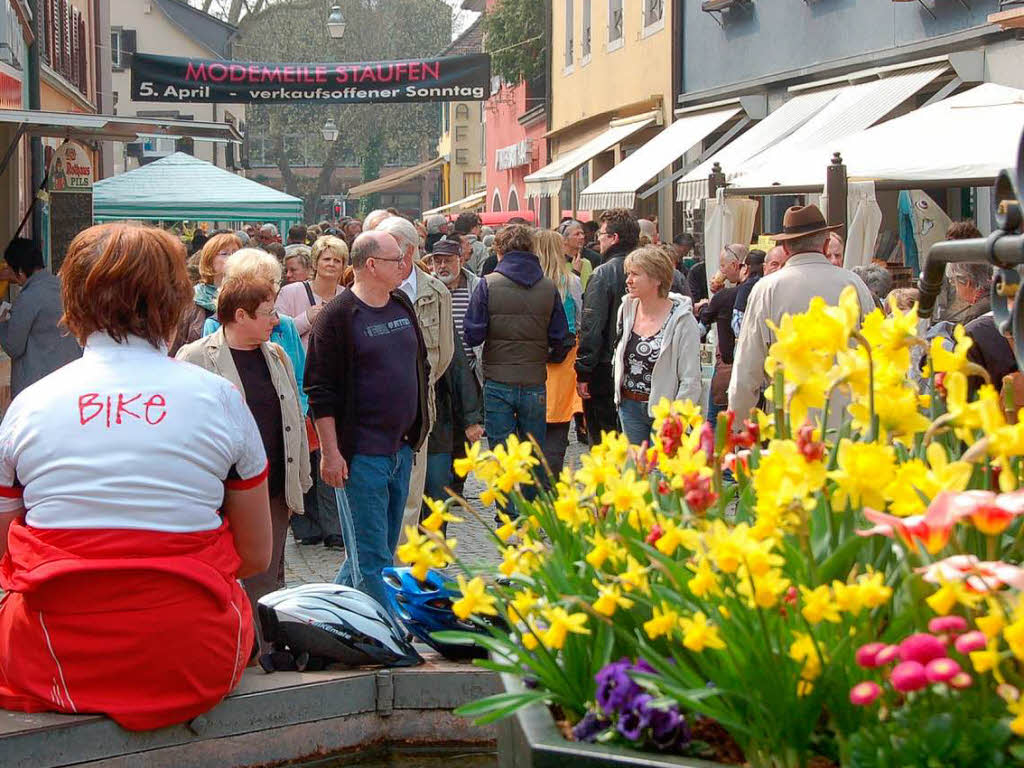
x=504 y=130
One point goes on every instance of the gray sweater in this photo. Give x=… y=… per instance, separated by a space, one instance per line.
x=31 y=337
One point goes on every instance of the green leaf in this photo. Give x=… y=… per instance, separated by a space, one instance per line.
x=838 y=564
x=498 y=706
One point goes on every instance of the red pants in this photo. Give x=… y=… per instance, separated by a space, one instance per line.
x=147 y=627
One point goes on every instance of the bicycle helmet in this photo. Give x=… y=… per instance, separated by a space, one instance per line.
x=426 y=607
x=313 y=625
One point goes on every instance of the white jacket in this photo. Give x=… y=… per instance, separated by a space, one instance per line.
x=676 y=372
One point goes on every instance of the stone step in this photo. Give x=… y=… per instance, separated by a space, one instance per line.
x=269 y=719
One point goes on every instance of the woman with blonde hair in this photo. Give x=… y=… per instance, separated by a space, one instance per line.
x=204 y=301
x=563 y=401
x=658 y=349
x=303 y=301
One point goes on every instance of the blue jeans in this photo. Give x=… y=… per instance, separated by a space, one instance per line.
x=636 y=424
x=713 y=410
x=439 y=476
x=515 y=408
x=371 y=507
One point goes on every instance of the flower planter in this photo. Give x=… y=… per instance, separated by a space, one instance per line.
x=530 y=738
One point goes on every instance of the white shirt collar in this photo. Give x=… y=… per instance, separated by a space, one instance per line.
x=409 y=285
x=100 y=342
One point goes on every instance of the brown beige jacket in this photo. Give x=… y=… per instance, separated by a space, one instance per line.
x=213 y=354
x=788 y=291
x=433 y=307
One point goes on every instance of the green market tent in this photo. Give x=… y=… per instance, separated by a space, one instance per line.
x=183 y=187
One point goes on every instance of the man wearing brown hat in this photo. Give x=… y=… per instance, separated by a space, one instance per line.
x=807 y=273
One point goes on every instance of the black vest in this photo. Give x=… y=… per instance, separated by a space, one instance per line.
x=516 y=349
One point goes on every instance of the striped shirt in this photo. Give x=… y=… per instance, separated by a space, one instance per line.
x=460 y=303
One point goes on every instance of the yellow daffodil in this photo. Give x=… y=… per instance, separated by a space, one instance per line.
x=474 y=600
x=763 y=590
x=819 y=605
x=634 y=577
x=804 y=651
x=864 y=470
x=472 y=459
x=872 y=591
x=507 y=529
x=523 y=602
x=610 y=599
x=560 y=624
x=703 y=582
x=624 y=493
x=987 y=660
x=662 y=622
x=698 y=634
x=439 y=515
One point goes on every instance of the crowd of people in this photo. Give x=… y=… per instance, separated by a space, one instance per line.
x=329 y=383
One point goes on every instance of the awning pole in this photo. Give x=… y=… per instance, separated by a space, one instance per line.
x=11 y=149
x=836 y=188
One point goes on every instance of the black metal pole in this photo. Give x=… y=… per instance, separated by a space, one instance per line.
x=34 y=72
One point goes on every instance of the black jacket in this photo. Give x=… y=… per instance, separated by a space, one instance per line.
x=329 y=379
x=605 y=289
x=457 y=395
x=697 y=280
x=991 y=350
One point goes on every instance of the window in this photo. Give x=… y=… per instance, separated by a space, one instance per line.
x=513 y=200
x=462 y=112
x=470 y=183
x=496 y=202
x=585 y=32
x=461 y=132
x=615 y=34
x=462 y=157
x=653 y=11
x=568 y=33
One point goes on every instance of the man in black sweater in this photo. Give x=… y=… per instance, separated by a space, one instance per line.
x=367 y=379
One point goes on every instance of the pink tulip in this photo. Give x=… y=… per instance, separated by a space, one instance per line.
x=863 y=694
x=908 y=676
x=963 y=680
x=971 y=641
x=948 y=624
x=886 y=655
x=941 y=670
x=922 y=648
x=867 y=655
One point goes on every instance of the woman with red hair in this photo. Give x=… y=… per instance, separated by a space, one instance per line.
x=133 y=495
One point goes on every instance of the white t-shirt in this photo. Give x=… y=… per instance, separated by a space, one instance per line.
x=127 y=437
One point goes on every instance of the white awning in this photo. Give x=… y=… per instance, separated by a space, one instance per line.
x=964 y=140
x=470 y=201
x=855 y=108
x=768 y=132
x=368 y=188
x=548 y=180
x=618 y=187
x=78 y=125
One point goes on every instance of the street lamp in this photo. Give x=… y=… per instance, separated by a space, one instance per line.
x=330 y=130
x=336 y=22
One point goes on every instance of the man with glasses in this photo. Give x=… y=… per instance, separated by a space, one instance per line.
x=617 y=235
x=367 y=378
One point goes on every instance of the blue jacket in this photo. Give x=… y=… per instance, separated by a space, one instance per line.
x=523 y=268
x=287 y=337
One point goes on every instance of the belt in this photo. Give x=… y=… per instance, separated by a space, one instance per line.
x=640 y=397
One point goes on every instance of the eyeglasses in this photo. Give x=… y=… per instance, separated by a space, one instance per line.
x=399 y=260
x=271 y=315
x=604 y=233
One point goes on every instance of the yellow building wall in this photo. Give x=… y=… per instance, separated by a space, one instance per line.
x=463 y=144
x=633 y=72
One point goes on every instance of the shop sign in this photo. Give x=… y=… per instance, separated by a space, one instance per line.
x=515 y=155
x=72 y=170
x=176 y=79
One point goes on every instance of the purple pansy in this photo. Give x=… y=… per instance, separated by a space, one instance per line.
x=590 y=727
x=615 y=688
x=633 y=722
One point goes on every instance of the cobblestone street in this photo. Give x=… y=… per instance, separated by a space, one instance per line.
x=315 y=563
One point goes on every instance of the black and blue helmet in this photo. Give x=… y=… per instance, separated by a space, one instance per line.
x=425 y=607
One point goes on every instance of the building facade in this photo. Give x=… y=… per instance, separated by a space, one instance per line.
x=610 y=60
x=171 y=28
x=463 y=142
x=807 y=48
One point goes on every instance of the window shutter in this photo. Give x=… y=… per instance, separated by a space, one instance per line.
x=128 y=47
x=77 y=76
